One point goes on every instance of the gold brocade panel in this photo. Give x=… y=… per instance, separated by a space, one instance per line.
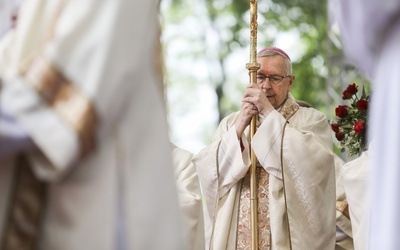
x=244 y=224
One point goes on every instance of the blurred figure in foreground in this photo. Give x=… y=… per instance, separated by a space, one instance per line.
x=356 y=176
x=84 y=131
x=370 y=33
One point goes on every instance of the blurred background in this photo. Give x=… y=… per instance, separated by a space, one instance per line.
x=206 y=48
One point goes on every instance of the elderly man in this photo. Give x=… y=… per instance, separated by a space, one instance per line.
x=295 y=172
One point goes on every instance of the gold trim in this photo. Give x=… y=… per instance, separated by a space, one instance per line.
x=159 y=64
x=214 y=216
x=343 y=207
x=66 y=99
x=288 y=109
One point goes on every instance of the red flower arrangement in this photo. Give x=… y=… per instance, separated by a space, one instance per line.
x=351 y=121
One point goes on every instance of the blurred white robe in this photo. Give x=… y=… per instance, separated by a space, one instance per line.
x=344 y=234
x=370 y=33
x=356 y=176
x=189 y=195
x=106 y=51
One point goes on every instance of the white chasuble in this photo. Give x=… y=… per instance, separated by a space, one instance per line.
x=302 y=206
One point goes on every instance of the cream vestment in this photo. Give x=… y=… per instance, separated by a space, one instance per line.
x=344 y=234
x=309 y=174
x=189 y=195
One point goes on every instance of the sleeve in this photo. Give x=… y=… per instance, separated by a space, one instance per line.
x=206 y=167
x=308 y=142
x=233 y=163
x=221 y=164
x=69 y=73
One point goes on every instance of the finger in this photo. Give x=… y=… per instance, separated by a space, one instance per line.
x=250 y=109
x=253 y=86
x=248 y=105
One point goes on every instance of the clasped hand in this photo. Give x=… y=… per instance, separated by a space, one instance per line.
x=254 y=96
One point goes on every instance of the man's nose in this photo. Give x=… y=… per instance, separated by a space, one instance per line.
x=266 y=84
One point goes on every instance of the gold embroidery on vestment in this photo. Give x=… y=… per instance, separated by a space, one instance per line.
x=66 y=99
x=343 y=207
x=244 y=226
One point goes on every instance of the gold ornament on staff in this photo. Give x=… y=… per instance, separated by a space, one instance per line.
x=252 y=67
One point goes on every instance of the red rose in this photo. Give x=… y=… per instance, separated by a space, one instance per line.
x=335 y=127
x=339 y=136
x=346 y=95
x=359 y=127
x=350 y=91
x=341 y=111
x=362 y=105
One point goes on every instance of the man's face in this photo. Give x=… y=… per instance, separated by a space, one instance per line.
x=275 y=66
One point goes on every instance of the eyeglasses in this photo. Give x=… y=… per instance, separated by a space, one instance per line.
x=273 y=79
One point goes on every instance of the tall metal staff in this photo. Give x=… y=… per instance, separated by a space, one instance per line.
x=252 y=67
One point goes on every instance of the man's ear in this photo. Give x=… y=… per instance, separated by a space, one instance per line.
x=291 y=80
